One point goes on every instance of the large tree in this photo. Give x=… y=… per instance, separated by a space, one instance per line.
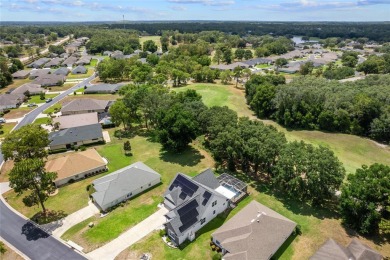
x=365 y=198
x=29 y=175
x=27 y=142
x=120 y=114
x=308 y=173
x=177 y=127
x=150 y=45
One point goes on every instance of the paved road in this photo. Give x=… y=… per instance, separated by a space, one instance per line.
x=30 y=240
x=25 y=59
x=23 y=235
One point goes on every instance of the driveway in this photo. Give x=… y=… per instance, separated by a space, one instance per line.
x=60 y=227
x=115 y=247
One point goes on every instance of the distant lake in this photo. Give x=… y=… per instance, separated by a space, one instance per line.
x=298 y=40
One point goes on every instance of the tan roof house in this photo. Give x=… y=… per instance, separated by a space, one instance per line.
x=256 y=232
x=76 y=120
x=75 y=166
x=21 y=74
x=33 y=89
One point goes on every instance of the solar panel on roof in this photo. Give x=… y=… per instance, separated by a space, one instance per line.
x=187 y=207
x=188 y=224
x=186 y=186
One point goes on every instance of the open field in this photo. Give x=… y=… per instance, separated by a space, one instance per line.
x=353 y=151
x=156 y=40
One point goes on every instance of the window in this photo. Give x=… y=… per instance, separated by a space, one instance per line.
x=214 y=203
x=150 y=184
x=129 y=195
x=214 y=212
x=202 y=221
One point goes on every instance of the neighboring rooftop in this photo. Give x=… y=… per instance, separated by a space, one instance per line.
x=70 y=164
x=85 y=104
x=354 y=251
x=75 y=134
x=255 y=232
x=106 y=88
x=76 y=120
x=30 y=87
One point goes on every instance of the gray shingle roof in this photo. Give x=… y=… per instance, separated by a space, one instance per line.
x=79 y=70
x=85 y=104
x=75 y=134
x=11 y=99
x=62 y=71
x=49 y=80
x=107 y=88
x=122 y=182
x=189 y=200
x=255 y=232
x=21 y=74
x=208 y=179
x=32 y=88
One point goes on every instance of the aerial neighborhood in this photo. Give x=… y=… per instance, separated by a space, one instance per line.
x=192 y=140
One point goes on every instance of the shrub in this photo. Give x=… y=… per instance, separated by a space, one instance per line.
x=83 y=148
x=217 y=257
x=71 y=181
x=162 y=232
x=168 y=239
x=2 y=248
x=213 y=247
x=298 y=230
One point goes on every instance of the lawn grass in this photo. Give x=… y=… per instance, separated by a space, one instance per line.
x=64 y=87
x=18 y=112
x=81 y=76
x=156 y=40
x=93 y=63
x=41 y=121
x=56 y=106
x=37 y=98
x=6 y=128
x=352 y=151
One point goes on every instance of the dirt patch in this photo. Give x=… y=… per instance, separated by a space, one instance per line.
x=17 y=113
x=128 y=255
x=7 y=167
x=10 y=254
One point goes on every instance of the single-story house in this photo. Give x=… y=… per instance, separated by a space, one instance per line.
x=103 y=88
x=71 y=48
x=85 y=105
x=64 y=55
x=356 y=250
x=107 y=53
x=84 y=60
x=123 y=184
x=33 y=89
x=255 y=232
x=8 y=101
x=79 y=70
x=256 y=61
x=69 y=62
x=52 y=55
x=192 y=203
x=117 y=55
x=230 y=66
x=75 y=120
x=38 y=63
x=54 y=62
x=50 y=80
x=21 y=74
x=64 y=71
x=35 y=73
x=75 y=166
x=75 y=137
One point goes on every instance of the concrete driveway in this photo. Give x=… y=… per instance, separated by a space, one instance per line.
x=130 y=237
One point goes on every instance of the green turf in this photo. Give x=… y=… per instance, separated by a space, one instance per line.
x=6 y=128
x=37 y=98
x=42 y=120
x=53 y=108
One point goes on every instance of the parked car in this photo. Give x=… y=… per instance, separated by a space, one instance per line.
x=32 y=105
x=2 y=120
x=49 y=100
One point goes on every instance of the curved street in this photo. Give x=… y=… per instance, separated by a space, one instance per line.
x=23 y=234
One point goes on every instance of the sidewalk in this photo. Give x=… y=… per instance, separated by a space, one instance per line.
x=130 y=237
x=4 y=187
x=74 y=218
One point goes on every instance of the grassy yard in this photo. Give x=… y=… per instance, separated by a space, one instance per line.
x=93 y=63
x=41 y=121
x=17 y=112
x=64 y=87
x=6 y=128
x=353 y=151
x=37 y=98
x=156 y=40
x=81 y=76
x=53 y=108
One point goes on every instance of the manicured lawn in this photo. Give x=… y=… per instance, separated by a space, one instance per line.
x=53 y=108
x=37 y=98
x=41 y=121
x=81 y=76
x=352 y=151
x=64 y=87
x=93 y=63
x=6 y=128
x=263 y=66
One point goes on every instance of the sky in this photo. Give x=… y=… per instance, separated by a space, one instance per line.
x=142 y=10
